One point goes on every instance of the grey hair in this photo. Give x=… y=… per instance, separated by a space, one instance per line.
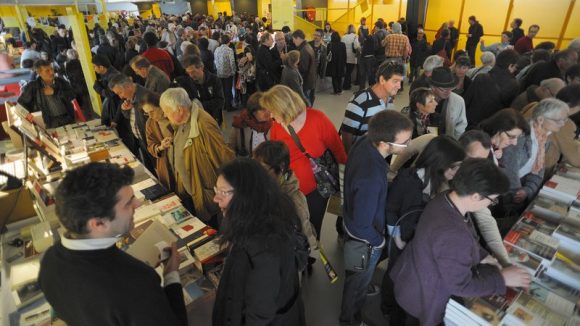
x=549 y=107
x=574 y=45
x=72 y=54
x=396 y=28
x=119 y=80
x=432 y=62
x=174 y=98
x=487 y=58
x=553 y=84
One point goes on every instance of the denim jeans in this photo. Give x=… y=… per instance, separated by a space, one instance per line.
x=355 y=290
x=366 y=70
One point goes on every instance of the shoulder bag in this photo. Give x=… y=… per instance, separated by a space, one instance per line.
x=325 y=168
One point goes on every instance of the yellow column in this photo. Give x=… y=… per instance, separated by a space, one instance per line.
x=156 y=10
x=566 y=21
x=104 y=15
x=21 y=15
x=77 y=22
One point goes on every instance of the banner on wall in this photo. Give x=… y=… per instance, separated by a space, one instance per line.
x=282 y=14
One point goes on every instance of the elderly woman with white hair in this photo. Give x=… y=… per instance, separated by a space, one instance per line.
x=524 y=162
x=432 y=62
x=487 y=62
x=198 y=151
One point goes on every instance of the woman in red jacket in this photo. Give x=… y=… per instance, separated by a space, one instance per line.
x=316 y=133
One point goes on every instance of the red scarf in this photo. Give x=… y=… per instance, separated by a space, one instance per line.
x=245 y=119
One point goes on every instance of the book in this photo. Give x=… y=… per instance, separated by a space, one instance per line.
x=562 y=189
x=526 y=238
x=188 y=227
x=569 y=171
x=154 y=192
x=168 y=204
x=138 y=186
x=523 y=258
x=573 y=216
x=537 y=223
x=486 y=310
x=145 y=248
x=551 y=299
x=528 y=311
x=209 y=250
x=145 y=212
x=557 y=288
x=176 y=216
x=549 y=208
x=24 y=281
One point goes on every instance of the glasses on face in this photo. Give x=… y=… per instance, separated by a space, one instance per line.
x=403 y=145
x=510 y=136
x=493 y=201
x=558 y=121
x=223 y=193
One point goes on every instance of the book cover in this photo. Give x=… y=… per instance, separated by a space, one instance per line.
x=27 y=293
x=562 y=189
x=569 y=237
x=176 y=216
x=526 y=238
x=552 y=300
x=145 y=212
x=154 y=192
x=188 y=227
x=549 y=208
x=145 y=247
x=528 y=311
x=168 y=204
x=558 y=288
x=208 y=251
x=523 y=258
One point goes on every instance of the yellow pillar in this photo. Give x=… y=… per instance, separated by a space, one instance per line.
x=81 y=37
x=21 y=15
x=103 y=16
x=156 y=10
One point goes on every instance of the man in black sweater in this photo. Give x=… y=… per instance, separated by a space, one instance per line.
x=85 y=277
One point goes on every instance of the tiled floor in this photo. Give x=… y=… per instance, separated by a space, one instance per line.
x=321 y=298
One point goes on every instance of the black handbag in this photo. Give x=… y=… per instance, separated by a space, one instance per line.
x=325 y=168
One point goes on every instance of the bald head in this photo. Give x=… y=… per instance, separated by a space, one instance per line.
x=552 y=86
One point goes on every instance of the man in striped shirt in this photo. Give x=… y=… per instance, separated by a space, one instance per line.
x=368 y=102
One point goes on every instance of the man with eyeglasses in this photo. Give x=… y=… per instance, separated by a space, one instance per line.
x=365 y=193
x=450 y=112
x=548 y=88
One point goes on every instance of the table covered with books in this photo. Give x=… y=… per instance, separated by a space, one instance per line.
x=546 y=242
x=160 y=219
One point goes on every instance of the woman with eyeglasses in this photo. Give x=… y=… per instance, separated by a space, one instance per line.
x=504 y=128
x=524 y=163
x=314 y=131
x=445 y=258
x=410 y=191
x=259 y=283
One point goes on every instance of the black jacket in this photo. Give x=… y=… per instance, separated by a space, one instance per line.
x=476 y=31
x=405 y=197
x=517 y=33
x=115 y=56
x=335 y=67
x=33 y=99
x=488 y=94
x=541 y=71
x=259 y=286
x=210 y=93
x=268 y=67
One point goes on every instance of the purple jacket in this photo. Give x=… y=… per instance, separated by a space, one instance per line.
x=442 y=260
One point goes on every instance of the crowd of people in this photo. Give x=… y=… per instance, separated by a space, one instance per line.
x=469 y=151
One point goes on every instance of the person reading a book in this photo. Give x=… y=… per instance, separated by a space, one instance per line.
x=524 y=163
x=85 y=277
x=444 y=258
x=259 y=283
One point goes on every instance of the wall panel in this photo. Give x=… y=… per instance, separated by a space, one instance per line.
x=548 y=14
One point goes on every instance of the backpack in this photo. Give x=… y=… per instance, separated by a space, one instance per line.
x=369 y=45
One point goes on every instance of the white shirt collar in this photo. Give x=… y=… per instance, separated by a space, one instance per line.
x=88 y=244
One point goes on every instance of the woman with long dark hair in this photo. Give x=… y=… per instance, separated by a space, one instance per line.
x=410 y=191
x=259 y=283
